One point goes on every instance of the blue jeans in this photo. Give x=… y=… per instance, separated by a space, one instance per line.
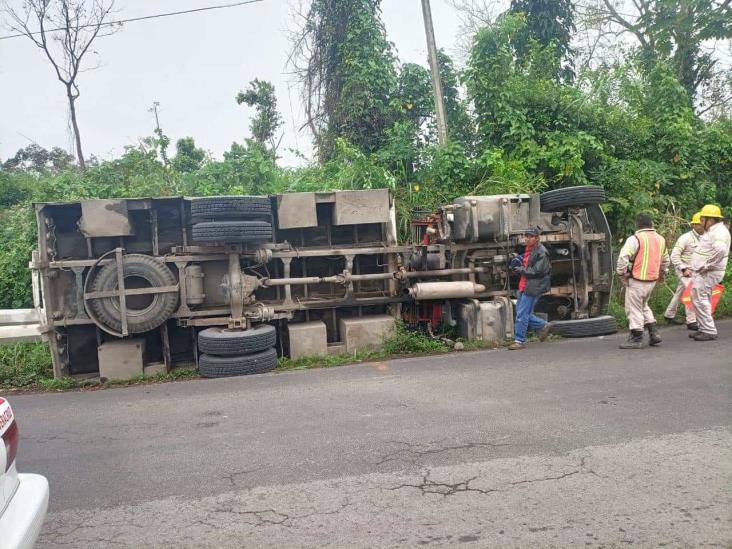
x=525 y=317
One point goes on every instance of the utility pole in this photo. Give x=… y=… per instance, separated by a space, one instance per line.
x=435 y=72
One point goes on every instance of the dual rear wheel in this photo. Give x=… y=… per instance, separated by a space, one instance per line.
x=231 y=219
x=237 y=352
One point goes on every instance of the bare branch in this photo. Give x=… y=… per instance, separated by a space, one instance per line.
x=79 y=22
x=627 y=25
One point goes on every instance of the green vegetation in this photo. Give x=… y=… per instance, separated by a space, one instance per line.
x=404 y=342
x=27 y=367
x=24 y=365
x=523 y=116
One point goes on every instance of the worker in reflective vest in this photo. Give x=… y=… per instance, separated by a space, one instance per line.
x=681 y=255
x=643 y=261
x=707 y=269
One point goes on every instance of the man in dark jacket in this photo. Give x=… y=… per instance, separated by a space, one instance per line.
x=534 y=267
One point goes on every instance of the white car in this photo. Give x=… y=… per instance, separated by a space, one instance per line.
x=23 y=498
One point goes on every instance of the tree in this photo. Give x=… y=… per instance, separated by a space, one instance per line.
x=473 y=15
x=264 y=125
x=188 y=157
x=676 y=32
x=459 y=124
x=36 y=158
x=415 y=94
x=347 y=69
x=162 y=141
x=418 y=103
x=550 y=23
x=65 y=32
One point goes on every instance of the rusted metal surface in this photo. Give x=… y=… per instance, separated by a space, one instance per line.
x=104 y=218
x=361 y=207
x=297 y=210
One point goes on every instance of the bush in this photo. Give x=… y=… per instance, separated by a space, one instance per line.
x=25 y=364
x=406 y=341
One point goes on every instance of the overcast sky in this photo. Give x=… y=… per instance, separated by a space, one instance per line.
x=193 y=65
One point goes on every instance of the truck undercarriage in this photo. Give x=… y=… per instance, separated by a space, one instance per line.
x=147 y=281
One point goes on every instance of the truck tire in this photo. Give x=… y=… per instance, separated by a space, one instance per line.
x=586 y=327
x=225 y=366
x=223 y=342
x=149 y=317
x=232 y=231
x=229 y=207
x=572 y=197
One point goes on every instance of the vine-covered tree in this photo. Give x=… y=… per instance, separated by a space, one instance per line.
x=549 y=22
x=680 y=33
x=264 y=124
x=188 y=158
x=347 y=69
x=459 y=124
x=415 y=93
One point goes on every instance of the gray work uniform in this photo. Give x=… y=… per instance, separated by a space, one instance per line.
x=638 y=292
x=708 y=265
x=681 y=255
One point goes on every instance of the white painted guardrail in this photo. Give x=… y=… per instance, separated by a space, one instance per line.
x=19 y=325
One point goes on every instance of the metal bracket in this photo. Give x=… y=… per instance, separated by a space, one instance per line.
x=79 y=280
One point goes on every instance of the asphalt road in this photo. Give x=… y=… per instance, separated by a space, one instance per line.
x=565 y=443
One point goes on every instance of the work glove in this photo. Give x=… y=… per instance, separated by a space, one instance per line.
x=516 y=263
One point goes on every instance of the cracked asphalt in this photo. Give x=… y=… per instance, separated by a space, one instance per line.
x=568 y=443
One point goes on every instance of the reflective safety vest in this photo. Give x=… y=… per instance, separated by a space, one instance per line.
x=647 y=261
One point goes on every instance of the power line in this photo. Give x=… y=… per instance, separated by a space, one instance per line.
x=145 y=17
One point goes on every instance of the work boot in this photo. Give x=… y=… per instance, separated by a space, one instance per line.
x=693 y=326
x=674 y=320
x=653 y=337
x=546 y=331
x=703 y=336
x=516 y=346
x=635 y=340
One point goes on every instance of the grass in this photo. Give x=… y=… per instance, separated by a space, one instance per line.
x=305 y=363
x=25 y=365
x=404 y=342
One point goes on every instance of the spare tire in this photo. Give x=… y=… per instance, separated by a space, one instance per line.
x=155 y=308
x=225 y=366
x=229 y=207
x=232 y=231
x=223 y=342
x=572 y=197
x=586 y=327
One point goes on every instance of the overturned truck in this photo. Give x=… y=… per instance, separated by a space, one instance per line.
x=127 y=286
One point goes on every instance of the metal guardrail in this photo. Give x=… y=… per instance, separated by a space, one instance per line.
x=19 y=325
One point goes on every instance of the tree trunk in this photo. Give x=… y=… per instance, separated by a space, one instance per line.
x=75 y=126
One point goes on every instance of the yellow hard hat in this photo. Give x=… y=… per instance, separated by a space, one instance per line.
x=711 y=210
x=696 y=218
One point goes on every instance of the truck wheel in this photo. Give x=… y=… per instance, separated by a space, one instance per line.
x=225 y=366
x=232 y=231
x=586 y=327
x=572 y=197
x=229 y=207
x=223 y=342
x=145 y=312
